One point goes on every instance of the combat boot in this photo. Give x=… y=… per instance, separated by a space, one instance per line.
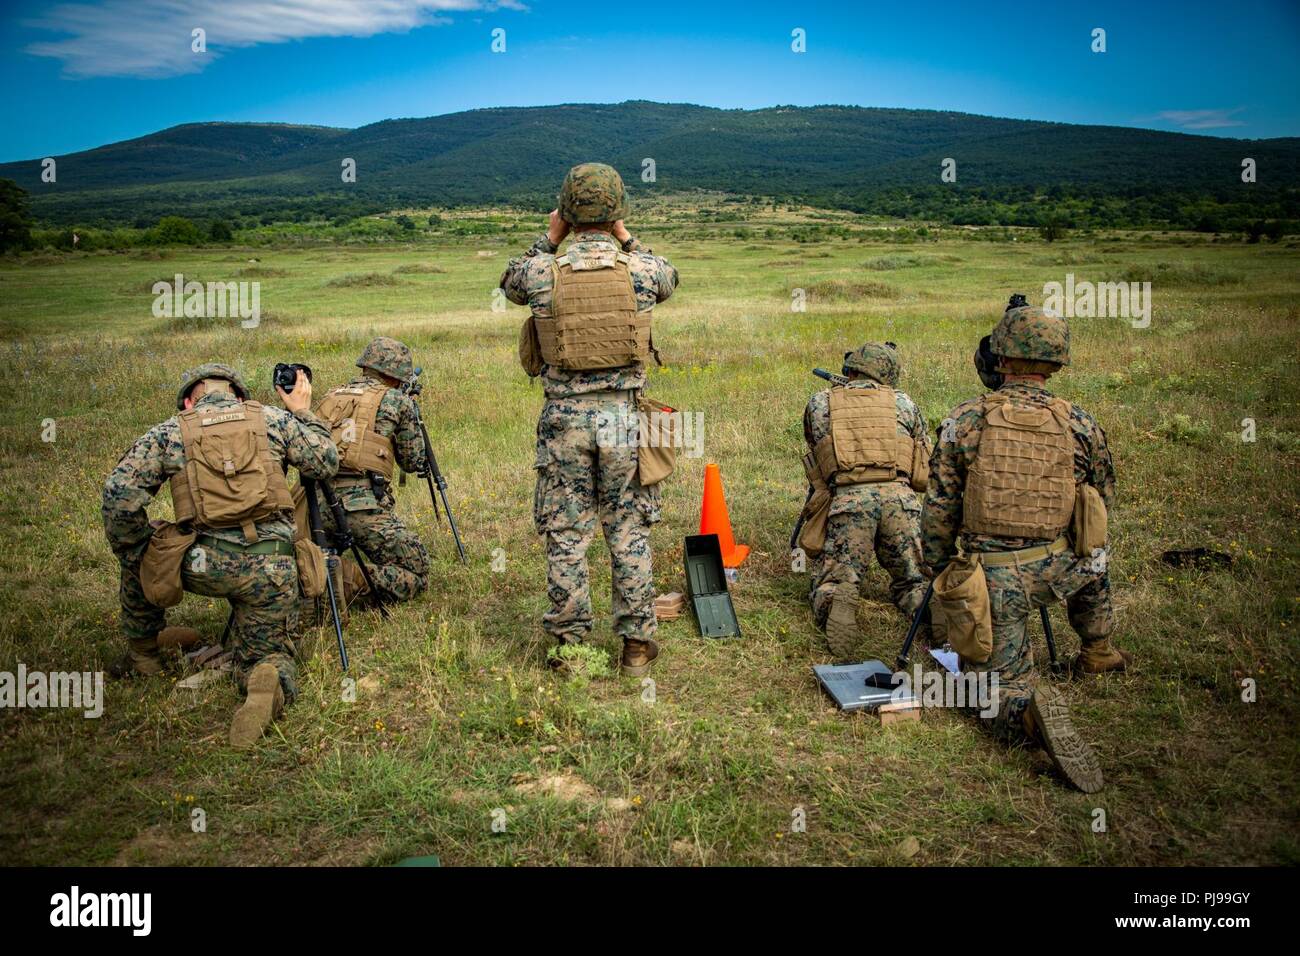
x=181 y=638
x=1098 y=657
x=1047 y=722
x=354 y=580
x=842 y=633
x=140 y=660
x=264 y=703
x=638 y=657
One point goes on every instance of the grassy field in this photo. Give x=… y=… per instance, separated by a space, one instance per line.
x=456 y=718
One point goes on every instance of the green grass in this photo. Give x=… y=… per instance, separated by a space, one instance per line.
x=456 y=716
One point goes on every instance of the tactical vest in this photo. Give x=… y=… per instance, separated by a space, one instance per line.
x=230 y=478
x=594 y=320
x=350 y=412
x=1021 y=484
x=863 y=445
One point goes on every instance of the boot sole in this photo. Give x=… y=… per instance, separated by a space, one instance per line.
x=257 y=712
x=842 y=634
x=1070 y=753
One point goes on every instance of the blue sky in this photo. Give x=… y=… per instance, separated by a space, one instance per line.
x=82 y=73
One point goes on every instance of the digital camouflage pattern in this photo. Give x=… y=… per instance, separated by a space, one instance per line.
x=260 y=595
x=1031 y=333
x=529 y=280
x=592 y=193
x=878 y=360
x=211 y=370
x=389 y=357
x=578 y=481
x=399 y=561
x=881 y=518
x=1014 y=593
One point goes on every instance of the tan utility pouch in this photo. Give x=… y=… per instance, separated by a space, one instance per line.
x=530 y=348
x=657 y=451
x=311 y=567
x=919 y=478
x=1089 y=521
x=812 y=536
x=963 y=596
x=160 y=570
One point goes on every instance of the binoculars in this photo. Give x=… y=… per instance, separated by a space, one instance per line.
x=285 y=375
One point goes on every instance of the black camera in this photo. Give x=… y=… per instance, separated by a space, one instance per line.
x=286 y=376
x=1016 y=301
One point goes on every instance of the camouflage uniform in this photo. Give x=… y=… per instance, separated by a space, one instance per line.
x=883 y=517
x=1015 y=592
x=577 y=478
x=399 y=560
x=262 y=588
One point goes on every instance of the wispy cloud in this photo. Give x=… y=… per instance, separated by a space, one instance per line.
x=1202 y=119
x=152 y=38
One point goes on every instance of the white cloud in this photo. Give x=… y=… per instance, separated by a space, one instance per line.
x=151 y=38
x=1202 y=119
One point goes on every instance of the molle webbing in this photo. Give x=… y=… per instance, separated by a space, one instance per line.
x=350 y=411
x=864 y=445
x=594 y=320
x=230 y=478
x=1021 y=484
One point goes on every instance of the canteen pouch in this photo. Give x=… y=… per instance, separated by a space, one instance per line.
x=530 y=348
x=963 y=595
x=160 y=569
x=311 y=567
x=1089 y=524
x=656 y=454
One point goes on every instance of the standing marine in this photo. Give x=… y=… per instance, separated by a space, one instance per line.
x=868 y=455
x=588 y=336
x=1021 y=480
x=224 y=457
x=373 y=422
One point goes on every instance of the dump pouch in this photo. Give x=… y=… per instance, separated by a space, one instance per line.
x=919 y=476
x=160 y=569
x=963 y=595
x=530 y=349
x=311 y=567
x=659 y=440
x=816 y=511
x=1089 y=524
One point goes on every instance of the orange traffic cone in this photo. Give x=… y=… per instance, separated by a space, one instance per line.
x=715 y=520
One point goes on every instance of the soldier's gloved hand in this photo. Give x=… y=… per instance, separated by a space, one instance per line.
x=557 y=229
x=300 y=398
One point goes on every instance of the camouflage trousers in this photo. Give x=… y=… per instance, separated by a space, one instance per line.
x=396 y=557
x=1014 y=593
x=882 y=519
x=263 y=593
x=587 y=467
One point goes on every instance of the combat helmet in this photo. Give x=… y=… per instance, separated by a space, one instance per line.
x=1033 y=334
x=211 y=370
x=591 y=193
x=389 y=357
x=876 y=360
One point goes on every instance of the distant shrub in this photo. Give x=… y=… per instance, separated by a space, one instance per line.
x=362 y=280
x=846 y=290
x=1178 y=273
x=418 y=268
x=220 y=231
x=1181 y=430
x=888 y=263
x=174 y=231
